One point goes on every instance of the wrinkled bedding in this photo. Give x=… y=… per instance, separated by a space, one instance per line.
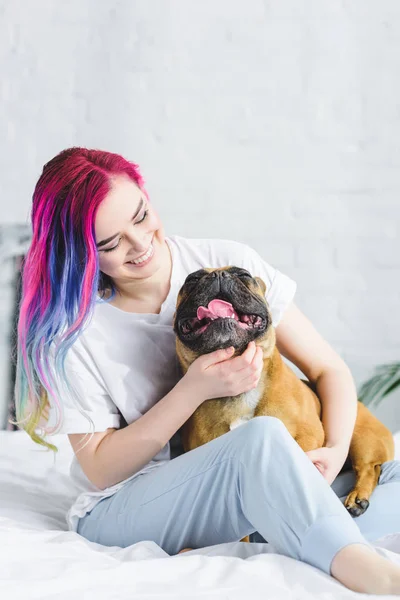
x=41 y=559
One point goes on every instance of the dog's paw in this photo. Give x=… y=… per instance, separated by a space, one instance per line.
x=356 y=506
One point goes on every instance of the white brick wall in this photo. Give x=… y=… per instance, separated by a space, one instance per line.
x=276 y=123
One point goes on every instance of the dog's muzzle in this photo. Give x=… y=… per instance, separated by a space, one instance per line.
x=220 y=309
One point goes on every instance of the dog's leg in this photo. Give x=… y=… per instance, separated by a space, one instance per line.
x=308 y=436
x=309 y=442
x=372 y=445
x=367 y=476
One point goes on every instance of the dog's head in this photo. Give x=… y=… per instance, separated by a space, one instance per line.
x=218 y=308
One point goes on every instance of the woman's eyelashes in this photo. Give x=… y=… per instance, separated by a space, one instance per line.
x=146 y=212
x=114 y=248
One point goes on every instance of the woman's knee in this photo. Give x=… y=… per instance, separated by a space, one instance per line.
x=259 y=435
x=263 y=423
x=263 y=428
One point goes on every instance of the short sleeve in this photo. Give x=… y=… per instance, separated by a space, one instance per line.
x=90 y=399
x=280 y=288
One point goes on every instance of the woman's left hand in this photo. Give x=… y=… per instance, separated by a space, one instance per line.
x=329 y=460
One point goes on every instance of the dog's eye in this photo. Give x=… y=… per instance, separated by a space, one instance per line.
x=193 y=278
x=245 y=274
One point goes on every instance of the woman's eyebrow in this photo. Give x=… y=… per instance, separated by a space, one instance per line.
x=103 y=242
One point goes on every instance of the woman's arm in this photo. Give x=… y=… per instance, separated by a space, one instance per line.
x=299 y=342
x=116 y=454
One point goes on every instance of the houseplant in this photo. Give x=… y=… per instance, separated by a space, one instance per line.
x=384 y=381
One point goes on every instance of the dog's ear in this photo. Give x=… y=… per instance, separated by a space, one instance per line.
x=261 y=284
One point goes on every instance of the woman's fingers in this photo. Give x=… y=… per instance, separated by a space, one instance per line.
x=245 y=360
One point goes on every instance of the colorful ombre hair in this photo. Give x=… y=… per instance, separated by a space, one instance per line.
x=61 y=280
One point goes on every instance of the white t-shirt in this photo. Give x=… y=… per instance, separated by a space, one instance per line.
x=123 y=363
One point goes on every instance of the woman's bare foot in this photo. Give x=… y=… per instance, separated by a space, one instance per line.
x=185 y=550
x=361 y=569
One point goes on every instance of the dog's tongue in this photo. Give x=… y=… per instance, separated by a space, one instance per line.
x=217 y=308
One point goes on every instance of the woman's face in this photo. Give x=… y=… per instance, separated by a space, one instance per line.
x=131 y=237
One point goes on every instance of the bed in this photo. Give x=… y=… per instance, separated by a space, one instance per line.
x=41 y=559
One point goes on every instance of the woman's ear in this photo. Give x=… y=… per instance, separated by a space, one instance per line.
x=261 y=284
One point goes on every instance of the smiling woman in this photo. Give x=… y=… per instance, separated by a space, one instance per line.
x=138 y=266
x=106 y=241
x=97 y=351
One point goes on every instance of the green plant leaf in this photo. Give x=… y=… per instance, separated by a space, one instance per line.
x=394 y=385
x=385 y=380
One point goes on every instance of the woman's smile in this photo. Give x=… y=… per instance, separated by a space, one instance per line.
x=145 y=259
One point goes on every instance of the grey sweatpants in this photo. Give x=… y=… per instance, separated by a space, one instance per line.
x=255 y=478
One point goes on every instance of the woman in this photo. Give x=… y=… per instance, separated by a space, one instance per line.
x=96 y=345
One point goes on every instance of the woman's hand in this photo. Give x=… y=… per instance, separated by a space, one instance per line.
x=329 y=460
x=220 y=374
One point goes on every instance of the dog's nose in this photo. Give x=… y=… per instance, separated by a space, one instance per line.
x=220 y=274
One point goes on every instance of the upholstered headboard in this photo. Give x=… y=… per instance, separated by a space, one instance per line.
x=14 y=243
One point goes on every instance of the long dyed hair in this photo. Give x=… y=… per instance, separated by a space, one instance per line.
x=61 y=280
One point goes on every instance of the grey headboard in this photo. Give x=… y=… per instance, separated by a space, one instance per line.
x=14 y=243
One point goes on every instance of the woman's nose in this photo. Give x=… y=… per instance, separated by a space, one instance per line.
x=138 y=246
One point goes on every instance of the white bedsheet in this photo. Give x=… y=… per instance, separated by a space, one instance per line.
x=40 y=559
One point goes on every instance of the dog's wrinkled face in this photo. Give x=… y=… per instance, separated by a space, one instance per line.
x=218 y=308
